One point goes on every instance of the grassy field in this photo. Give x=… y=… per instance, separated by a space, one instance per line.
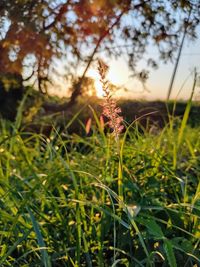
x=68 y=200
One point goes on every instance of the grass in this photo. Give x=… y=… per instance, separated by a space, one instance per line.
x=60 y=202
x=100 y=199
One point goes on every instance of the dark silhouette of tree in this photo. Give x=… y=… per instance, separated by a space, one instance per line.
x=35 y=33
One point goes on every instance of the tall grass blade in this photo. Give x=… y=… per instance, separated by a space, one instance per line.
x=170 y=253
x=19 y=116
x=187 y=112
x=45 y=257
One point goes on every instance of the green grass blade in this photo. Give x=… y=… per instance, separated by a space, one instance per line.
x=45 y=257
x=11 y=249
x=170 y=253
x=186 y=113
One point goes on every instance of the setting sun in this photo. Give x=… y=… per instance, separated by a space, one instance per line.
x=114 y=76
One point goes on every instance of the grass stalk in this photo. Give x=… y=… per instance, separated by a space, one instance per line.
x=184 y=122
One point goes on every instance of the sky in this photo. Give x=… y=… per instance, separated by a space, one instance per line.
x=159 y=80
x=158 y=83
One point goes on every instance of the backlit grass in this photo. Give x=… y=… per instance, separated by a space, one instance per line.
x=60 y=204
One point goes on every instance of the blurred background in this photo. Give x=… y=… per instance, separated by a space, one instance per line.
x=49 y=51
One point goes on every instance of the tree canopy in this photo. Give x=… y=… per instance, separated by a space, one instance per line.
x=34 y=34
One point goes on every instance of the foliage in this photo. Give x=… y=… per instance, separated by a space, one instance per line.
x=60 y=206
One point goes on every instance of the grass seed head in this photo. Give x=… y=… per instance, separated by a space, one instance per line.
x=110 y=108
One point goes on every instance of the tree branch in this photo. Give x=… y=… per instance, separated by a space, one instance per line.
x=77 y=90
x=58 y=17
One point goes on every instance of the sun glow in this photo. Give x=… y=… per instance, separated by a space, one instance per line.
x=98 y=86
x=114 y=77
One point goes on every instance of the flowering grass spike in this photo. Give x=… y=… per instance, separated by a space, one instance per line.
x=110 y=109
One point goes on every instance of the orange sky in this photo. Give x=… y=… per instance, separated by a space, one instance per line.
x=158 y=82
x=159 y=79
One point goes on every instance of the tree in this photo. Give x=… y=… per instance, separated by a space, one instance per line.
x=35 y=33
